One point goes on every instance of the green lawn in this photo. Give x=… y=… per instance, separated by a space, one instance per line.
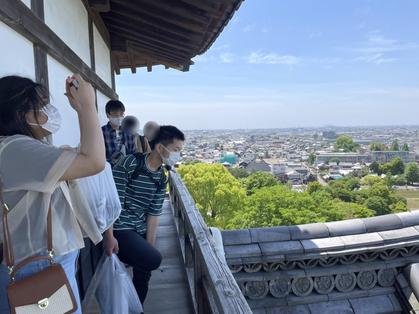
x=412 y=198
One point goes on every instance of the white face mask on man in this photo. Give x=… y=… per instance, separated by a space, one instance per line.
x=54 y=119
x=117 y=121
x=172 y=159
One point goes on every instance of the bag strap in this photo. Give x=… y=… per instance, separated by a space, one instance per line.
x=142 y=141
x=139 y=169
x=140 y=158
x=8 y=249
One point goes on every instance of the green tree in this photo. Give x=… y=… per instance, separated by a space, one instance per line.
x=385 y=168
x=314 y=187
x=378 y=147
x=239 y=173
x=405 y=147
x=378 y=205
x=224 y=203
x=399 y=180
x=395 y=146
x=397 y=166
x=375 y=167
x=370 y=180
x=352 y=184
x=412 y=173
x=279 y=205
x=258 y=180
x=346 y=143
x=311 y=158
x=399 y=207
x=217 y=194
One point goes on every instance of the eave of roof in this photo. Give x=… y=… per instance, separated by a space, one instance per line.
x=144 y=33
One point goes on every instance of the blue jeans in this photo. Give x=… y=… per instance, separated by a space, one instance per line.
x=68 y=262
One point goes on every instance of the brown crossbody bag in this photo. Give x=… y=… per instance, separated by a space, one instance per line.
x=45 y=292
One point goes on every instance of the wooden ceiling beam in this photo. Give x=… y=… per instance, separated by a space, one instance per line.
x=208 y=6
x=151 y=53
x=138 y=21
x=100 y=5
x=168 y=11
x=115 y=63
x=144 y=59
x=141 y=40
x=178 y=44
x=132 y=61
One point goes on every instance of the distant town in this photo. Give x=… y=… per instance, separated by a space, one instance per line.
x=302 y=155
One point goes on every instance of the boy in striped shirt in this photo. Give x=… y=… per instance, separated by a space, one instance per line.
x=141 y=184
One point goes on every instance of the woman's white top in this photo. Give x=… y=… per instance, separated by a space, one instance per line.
x=30 y=171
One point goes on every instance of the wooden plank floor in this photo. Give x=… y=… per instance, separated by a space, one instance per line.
x=168 y=292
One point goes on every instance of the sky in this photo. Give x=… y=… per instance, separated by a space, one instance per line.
x=292 y=63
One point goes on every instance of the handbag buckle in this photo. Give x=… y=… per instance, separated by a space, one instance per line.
x=11 y=269
x=51 y=257
x=43 y=304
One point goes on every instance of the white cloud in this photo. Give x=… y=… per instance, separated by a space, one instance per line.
x=272 y=58
x=200 y=59
x=219 y=47
x=376 y=43
x=377 y=59
x=248 y=28
x=313 y=35
x=227 y=57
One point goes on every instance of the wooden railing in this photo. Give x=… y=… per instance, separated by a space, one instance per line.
x=212 y=285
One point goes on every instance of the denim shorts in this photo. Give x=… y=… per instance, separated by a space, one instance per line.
x=68 y=262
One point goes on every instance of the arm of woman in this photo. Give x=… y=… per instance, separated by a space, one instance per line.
x=91 y=157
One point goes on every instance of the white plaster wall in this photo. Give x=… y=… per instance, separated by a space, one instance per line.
x=18 y=57
x=101 y=103
x=69 y=20
x=27 y=2
x=102 y=58
x=69 y=133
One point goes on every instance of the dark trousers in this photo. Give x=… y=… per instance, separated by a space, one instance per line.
x=135 y=251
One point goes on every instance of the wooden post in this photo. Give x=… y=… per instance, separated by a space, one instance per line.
x=91 y=44
x=40 y=54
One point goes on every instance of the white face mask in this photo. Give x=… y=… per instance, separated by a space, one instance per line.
x=53 y=123
x=116 y=121
x=173 y=158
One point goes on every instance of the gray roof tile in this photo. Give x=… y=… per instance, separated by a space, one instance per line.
x=232 y=237
x=346 y=227
x=234 y=251
x=281 y=248
x=369 y=305
x=409 y=218
x=331 y=307
x=399 y=234
x=381 y=223
x=281 y=233
x=309 y=231
x=322 y=245
x=358 y=240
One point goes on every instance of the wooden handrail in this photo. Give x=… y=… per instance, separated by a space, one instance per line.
x=212 y=285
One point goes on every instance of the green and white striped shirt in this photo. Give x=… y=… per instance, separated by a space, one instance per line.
x=141 y=197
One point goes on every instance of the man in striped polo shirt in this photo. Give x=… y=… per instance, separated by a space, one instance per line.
x=141 y=184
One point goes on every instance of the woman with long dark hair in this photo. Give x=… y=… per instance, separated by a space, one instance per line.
x=33 y=174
